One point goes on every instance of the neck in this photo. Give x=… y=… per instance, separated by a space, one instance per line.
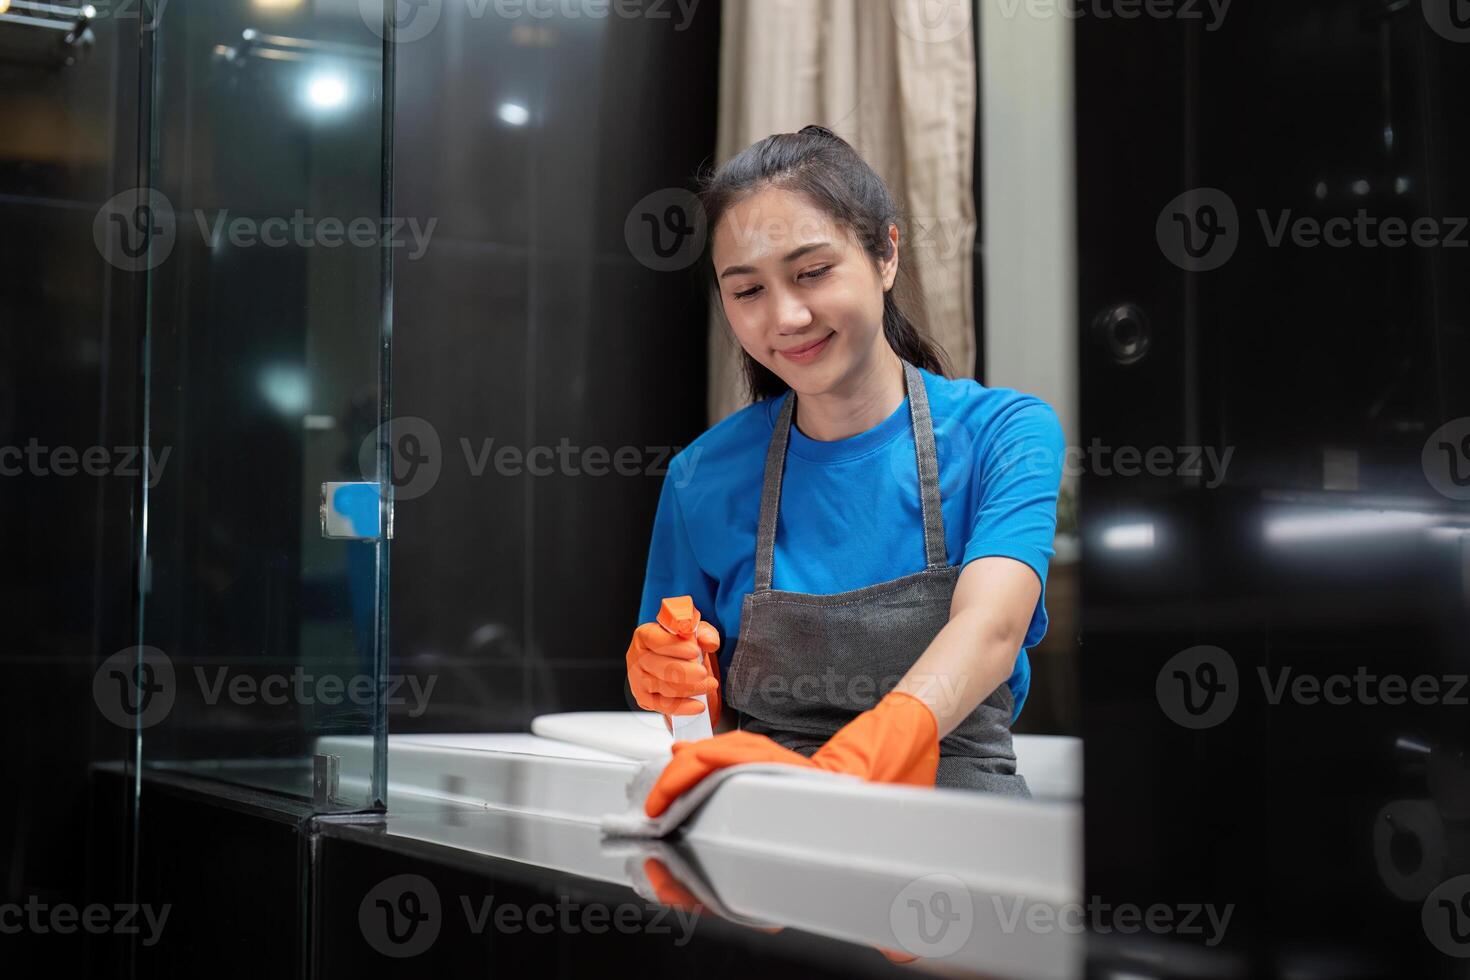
x=873 y=393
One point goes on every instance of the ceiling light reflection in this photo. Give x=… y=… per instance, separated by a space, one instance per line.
x=284 y=387
x=1129 y=537
x=327 y=90
x=1343 y=524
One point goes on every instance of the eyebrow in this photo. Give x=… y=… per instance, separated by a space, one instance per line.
x=793 y=255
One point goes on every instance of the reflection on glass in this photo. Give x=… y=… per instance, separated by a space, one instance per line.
x=263 y=378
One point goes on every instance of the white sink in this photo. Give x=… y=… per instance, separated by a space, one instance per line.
x=1030 y=847
x=833 y=857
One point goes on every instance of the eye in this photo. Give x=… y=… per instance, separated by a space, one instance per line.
x=744 y=294
x=816 y=273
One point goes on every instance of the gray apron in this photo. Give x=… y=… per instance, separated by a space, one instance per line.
x=805 y=665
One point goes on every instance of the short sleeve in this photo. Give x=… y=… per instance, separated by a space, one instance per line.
x=1020 y=474
x=673 y=569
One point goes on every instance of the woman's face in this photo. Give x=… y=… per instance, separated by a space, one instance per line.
x=801 y=294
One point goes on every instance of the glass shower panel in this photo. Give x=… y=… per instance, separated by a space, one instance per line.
x=266 y=565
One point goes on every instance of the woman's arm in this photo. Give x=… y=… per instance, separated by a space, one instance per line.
x=892 y=742
x=976 y=650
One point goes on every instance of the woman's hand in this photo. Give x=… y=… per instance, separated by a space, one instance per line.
x=666 y=672
x=896 y=741
x=693 y=761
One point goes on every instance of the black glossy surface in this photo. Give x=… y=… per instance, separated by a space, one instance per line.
x=257 y=886
x=221 y=887
x=234 y=879
x=1304 y=360
x=496 y=915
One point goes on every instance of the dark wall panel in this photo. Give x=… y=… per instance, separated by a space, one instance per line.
x=1331 y=544
x=68 y=381
x=529 y=325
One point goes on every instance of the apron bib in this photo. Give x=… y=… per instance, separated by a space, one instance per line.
x=805 y=665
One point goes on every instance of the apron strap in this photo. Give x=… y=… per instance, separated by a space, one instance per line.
x=928 y=458
x=765 y=538
x=928 y=464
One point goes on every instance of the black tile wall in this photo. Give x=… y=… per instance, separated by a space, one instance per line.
x=68 y=377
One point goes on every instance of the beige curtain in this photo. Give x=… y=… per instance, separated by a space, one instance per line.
x=898 y=83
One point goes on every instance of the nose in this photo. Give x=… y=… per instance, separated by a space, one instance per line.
x=792 y=313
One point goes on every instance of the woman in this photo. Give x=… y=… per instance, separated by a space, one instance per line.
x=882 y=588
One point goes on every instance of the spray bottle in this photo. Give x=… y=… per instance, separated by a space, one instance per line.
x=678 y=616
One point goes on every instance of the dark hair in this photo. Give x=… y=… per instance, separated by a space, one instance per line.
x=823 y=167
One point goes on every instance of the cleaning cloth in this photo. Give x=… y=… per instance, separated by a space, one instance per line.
x=634 y=822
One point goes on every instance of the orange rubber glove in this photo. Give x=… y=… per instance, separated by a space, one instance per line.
x=693 y=761
x=895 y=741
x=670 y=890
x=666 y=671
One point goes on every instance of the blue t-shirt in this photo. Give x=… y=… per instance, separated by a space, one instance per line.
x=850 y=514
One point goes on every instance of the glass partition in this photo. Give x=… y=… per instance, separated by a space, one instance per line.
x=265 y=570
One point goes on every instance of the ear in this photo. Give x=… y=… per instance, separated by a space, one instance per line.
x=889 y=267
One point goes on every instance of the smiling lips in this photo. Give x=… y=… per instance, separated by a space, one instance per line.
x=810 y=352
